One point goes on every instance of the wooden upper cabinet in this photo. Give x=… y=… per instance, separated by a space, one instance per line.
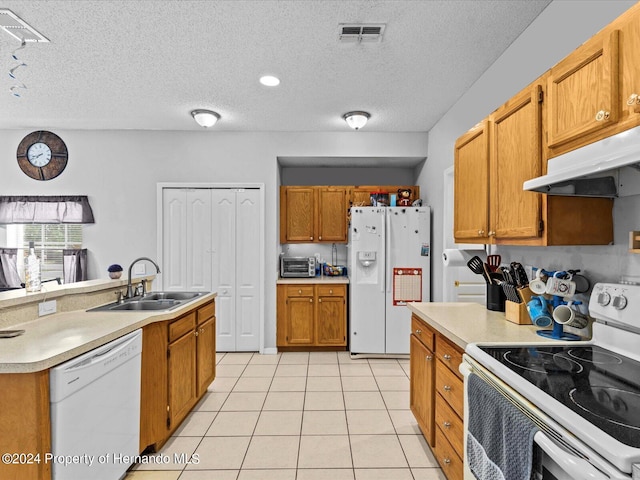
x=583 y=90
x=629 y=69
x=515 y=153
x=332 y=209
x=297 y=214
x=471 y=185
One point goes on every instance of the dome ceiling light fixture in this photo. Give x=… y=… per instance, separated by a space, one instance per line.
x=356 y=119
x=205 y=118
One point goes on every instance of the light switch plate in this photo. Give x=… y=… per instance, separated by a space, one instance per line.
x=47 y=308
x=139 y=269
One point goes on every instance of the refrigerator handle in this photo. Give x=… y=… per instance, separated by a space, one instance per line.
x=382 y=261
x=387 y=243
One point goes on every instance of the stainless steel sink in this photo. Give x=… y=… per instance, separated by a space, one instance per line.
x=153 y=301
x=171 y=295
x=146 y=305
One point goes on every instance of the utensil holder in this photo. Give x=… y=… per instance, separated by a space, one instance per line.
x=517 y=313
x=495 y=297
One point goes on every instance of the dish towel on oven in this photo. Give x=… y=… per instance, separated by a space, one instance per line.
x=500 y=437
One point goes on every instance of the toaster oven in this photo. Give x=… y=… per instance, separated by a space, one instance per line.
x=297 y=266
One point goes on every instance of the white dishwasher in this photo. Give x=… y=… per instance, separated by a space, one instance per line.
x=95 y=411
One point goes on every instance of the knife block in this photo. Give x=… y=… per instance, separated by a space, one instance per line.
x=517 y=313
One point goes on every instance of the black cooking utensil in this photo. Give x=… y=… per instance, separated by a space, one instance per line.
x=476 y=265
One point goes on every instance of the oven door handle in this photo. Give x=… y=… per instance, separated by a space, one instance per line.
x=574 y=466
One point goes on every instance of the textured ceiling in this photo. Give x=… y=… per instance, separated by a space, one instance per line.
x=147 y=64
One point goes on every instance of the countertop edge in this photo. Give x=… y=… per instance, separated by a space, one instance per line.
x=138 y=320
x=339 y=280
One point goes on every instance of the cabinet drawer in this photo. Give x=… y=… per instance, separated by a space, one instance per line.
x=181 y=326
x=206 y=312
x=424 y=333
x=450 y=387
x=300 y=291
x=450 y=424
x=331 y=290
x=448 y=459
x=449 y=354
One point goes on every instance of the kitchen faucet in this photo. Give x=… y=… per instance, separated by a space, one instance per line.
x=130 y=293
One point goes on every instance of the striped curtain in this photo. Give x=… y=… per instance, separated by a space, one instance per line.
x=9 y=277
x=74 y=264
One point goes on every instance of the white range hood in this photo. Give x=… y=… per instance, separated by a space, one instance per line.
x=607 y=168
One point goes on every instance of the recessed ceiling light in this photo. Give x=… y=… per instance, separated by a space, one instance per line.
x=270 y=81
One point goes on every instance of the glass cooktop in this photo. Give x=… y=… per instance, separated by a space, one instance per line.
x=599 y=385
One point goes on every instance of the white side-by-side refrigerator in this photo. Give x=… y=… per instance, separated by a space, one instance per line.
x=389 y=265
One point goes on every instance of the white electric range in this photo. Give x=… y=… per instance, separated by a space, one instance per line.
x=583 y=396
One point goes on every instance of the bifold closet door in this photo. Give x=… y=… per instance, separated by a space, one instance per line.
x=235 y=250
x=186 y=239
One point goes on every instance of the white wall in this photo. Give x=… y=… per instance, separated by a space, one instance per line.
x=562 y=26
x=119 y=171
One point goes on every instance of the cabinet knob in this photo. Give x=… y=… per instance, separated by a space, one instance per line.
x=446 y=356
x=319 y=300
x=428 y=358
x=492 y=233
x=299 y=291
x=447 y=388
x=310 y=238
x=195 y=333
x=446 y=461
x=602 y=115
x=481 y=233
x=320 y=237
x=418 y=332
x=446 y=424
x=311 y=300
x=633 y=99
x=330 y=292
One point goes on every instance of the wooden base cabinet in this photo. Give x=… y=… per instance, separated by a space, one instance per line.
x=436 y=395
x=25 y=424
x=312 y=315
x=421 y=366
x=178 y=364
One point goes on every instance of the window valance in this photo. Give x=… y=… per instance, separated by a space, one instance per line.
x=45 y=209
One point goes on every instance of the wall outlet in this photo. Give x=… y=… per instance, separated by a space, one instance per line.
x=139 y=269
x=47 y=308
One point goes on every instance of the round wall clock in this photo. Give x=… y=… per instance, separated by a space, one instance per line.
x=42 y=155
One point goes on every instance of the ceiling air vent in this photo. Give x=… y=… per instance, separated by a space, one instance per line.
x=18 y=28
x=360 y=32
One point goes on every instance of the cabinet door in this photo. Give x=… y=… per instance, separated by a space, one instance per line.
x=297 y=214
x=206 y=354
x=583 y=90
x=300 y=320
x=471 y=186
x=331 y=320
x=630 y=68
x=515 y=155
x=332 y=214
x=182 y=377
x=421 y=399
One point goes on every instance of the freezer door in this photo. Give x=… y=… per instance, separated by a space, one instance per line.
x=366 y=281
x=408 y=271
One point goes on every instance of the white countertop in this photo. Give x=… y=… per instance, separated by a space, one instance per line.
x=465 y=323
x=313 y=280
x=53 y=339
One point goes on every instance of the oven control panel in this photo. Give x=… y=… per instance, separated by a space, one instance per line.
x=616 y=302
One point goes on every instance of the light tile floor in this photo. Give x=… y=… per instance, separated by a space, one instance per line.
x=298 y=416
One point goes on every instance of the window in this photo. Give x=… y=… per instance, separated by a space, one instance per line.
x=49 y=241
